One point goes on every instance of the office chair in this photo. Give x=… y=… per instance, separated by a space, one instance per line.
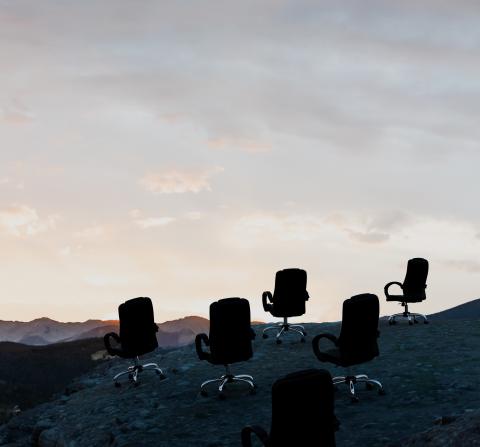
x=413 y=290
x=309 y=395
x=288 y=300
x=137 y=337
x=357 y=342
x=230 y=341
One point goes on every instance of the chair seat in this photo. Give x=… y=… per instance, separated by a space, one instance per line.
x=400 y=298
x=282 y=312
x=404 y=299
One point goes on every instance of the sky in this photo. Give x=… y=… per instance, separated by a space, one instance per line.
x=186 y=151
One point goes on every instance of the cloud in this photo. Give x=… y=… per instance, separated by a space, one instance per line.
x=22 y=220
x=464 y=265
x=7 y=181
x=177 y=181
x=16 y=113
x=369 y=237
x=101 y=280
x=149 y=222
x=370 y=229
x=152 y=222
x=93 y=232
x=194 y=215
x=359 y=227
x=239 y=144
x=293 y=227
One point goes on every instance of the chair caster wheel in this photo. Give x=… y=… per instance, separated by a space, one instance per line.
x=222 y=396
x=161 y=376
x=415 y=321
x=136 y=384
x=392 y=323
x=368 y=386
x=302 y=340
x=355 y=400
x=264 y=336
x=381 y=392
x=426 y=322
x=304 y=334
x=130 y=377
x=253 y=391
x=203 y=393
x=117 y=385
x=279 y=342
x=410 y=323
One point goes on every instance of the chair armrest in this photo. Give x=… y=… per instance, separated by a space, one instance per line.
x=202 y=355
x=316 y=342
x=259 y=431
x=385 y=289
x=267 y=296
x=108 y=346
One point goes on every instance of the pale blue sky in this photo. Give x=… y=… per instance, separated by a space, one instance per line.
x=188 y=150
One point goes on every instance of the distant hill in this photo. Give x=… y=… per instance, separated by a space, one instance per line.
x=44 y=331
x=96 y=332
x=465 y=311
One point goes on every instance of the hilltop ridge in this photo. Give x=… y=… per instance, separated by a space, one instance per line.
x=415 y=366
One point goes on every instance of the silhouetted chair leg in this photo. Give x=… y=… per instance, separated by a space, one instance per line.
x=228 y=377
x=134 y=370
x=351 y=380
x=285 y=327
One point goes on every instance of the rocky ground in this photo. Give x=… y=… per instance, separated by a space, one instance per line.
x=430 y=373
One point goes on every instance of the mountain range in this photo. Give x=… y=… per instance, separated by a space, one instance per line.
x=45 y=331
x=174 y=333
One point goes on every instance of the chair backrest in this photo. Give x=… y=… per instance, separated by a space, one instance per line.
x=358 y=337
x=230 y=331
x=415 y=279
x=303 y=410
x=290 y=292
x=137 y=327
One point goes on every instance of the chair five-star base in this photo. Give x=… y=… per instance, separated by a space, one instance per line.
x=284 y=327
x=351 y=381
x=134 y=370
x=411 y=317
x=228 y=377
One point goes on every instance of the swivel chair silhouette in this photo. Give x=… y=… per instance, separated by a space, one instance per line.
x=288 y=300
x=230 y=341
x=137 y=337
x=312 y=422
x=413 y=290
x=357 y=342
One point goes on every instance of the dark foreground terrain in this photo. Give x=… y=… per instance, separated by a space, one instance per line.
x=430 y=373
x=30 y=375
